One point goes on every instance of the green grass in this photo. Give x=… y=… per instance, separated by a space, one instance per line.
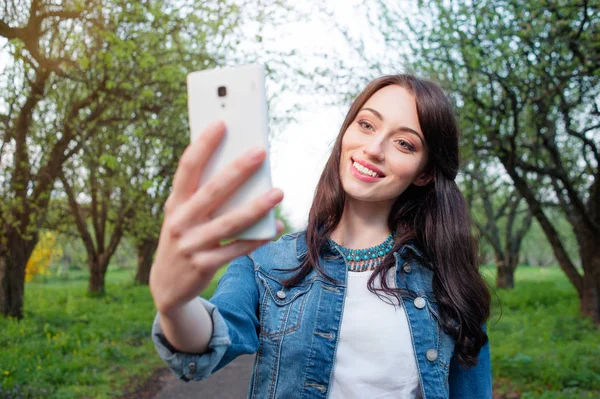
x=540 y=345
x=72 y=346
x=69 y=345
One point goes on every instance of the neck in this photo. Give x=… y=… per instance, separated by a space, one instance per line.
x=362 y=225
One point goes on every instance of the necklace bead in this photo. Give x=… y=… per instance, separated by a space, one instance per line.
x=366 y=258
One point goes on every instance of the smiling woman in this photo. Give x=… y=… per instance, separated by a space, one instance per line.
x=379 y=297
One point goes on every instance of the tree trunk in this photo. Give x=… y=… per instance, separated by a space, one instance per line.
x=590 y=292
x=97 y=273
x=13 y=260
x=590 y=299
x=145 y=254
x=505 y=277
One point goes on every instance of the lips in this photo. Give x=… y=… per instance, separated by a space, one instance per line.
x=367 y=165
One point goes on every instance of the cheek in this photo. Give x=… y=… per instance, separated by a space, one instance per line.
x=351 y=140
x=405 y=167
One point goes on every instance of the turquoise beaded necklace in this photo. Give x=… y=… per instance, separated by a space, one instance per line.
x=360 y=260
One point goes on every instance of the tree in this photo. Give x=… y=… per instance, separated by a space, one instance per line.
x=526 y=78
x=498 y=202
x=64 y=84
x=152 y=51
x=155 y=182
x=44 y=47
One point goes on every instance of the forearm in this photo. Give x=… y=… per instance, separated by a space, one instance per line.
x=188 y=328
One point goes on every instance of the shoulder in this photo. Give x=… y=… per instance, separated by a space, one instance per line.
x=285 y=252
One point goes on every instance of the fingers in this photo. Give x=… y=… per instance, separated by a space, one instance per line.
x=208 y=235
x=221 y=256
x=217 y=190
x=192 y=163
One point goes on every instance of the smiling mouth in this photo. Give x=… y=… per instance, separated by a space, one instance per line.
x=362 y=169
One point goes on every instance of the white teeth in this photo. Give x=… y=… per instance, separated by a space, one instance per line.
x=363 y=170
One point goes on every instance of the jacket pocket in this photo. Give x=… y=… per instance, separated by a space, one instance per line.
x=281 y=308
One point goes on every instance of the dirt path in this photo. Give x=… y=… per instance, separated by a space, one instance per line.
x=229 y=383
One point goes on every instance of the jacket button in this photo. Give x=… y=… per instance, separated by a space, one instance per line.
x=280 y=294
x=192 y=367
x=406 y=267
x=419 y=302
x=431 y=355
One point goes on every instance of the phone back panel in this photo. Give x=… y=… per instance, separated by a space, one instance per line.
x=244 y=111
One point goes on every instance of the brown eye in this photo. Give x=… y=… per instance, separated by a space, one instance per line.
x=366 y=125
x=405 y=144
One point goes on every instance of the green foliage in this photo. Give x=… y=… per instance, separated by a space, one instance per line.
x=540 y=345
x=72 y=346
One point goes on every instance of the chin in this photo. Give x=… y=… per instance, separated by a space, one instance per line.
x=359 y=194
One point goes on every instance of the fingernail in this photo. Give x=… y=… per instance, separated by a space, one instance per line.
x=215 y=125
x=274 y=194
x=256 y=153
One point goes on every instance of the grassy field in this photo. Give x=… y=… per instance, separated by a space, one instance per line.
x=72 y=346
x=540 y=346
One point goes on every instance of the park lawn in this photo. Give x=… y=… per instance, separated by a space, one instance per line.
x=540 y=347
x=71 y=346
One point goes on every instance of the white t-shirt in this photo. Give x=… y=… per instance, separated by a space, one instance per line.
x=375 y=357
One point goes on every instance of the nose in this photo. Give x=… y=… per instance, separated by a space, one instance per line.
x=374 y=149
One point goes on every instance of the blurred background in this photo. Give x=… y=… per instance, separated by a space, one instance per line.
x=93 y=120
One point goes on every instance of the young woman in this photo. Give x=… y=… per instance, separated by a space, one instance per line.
x=380 y=297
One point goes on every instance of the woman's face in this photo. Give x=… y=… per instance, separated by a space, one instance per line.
x=383 y=149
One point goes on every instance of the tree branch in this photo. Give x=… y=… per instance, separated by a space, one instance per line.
x=78 y=216
x=559 y=251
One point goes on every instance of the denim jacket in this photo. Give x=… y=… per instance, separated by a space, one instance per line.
x=294 y=331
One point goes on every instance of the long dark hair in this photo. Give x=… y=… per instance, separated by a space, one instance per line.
x=434 y=216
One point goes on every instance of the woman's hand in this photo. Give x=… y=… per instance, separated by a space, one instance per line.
x=189 y=251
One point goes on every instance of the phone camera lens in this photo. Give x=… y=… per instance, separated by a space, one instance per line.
x=222 y=90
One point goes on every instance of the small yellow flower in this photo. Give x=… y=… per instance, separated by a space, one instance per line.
x=22 y=332
x=6 y=372
x=39 y=367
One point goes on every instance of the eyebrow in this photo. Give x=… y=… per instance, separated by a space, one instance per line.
x=401 y=128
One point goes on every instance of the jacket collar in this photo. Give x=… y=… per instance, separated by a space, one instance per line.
x=301 y=247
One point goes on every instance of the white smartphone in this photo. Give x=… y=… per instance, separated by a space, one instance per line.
x=237 y=96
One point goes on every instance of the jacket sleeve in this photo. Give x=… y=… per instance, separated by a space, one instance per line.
x=474 y=382
x=234 y=312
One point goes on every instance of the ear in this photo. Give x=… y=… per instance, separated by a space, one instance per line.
x=424 y=179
